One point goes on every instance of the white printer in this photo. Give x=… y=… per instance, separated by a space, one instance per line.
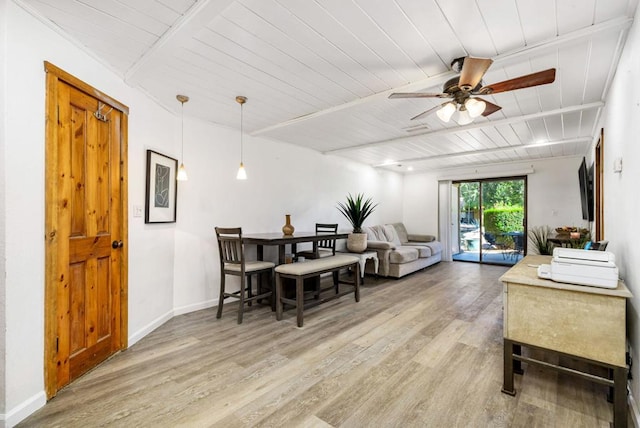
x=583 y=267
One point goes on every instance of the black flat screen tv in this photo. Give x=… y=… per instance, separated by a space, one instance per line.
x=585 y=176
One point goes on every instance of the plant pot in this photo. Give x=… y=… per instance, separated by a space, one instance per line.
x=357 y=242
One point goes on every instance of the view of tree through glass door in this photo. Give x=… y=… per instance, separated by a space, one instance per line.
x=492 y=226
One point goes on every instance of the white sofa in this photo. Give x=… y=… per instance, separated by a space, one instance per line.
x=399 y=252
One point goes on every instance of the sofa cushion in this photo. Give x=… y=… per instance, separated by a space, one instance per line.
x=401 y=231
x=436 y=247
x=423 y=250
x=403 y=255
x=375 y=233
x=392 y=236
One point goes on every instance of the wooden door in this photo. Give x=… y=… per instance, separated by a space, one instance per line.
x=86 y=213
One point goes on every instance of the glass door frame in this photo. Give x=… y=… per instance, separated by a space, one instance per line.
x=481 y=215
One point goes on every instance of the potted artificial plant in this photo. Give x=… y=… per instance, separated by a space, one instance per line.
x=539 y=236
x=356 y=210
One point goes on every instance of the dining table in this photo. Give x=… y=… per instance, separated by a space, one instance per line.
x=281 y=241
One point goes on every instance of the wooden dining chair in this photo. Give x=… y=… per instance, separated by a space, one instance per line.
x=323 y=247
x=232 y=262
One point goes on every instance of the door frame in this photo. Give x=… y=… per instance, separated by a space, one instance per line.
x=54 y=243
x=599 y=185
x=525 y=238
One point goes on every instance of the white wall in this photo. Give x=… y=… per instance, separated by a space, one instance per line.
x=553 y=193
x=621 y=202
x=282 y=179
x=172 y=267
x=3 y=19
x=29 y=43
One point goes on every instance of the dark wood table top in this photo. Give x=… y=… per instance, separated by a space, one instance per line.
x=278 y=238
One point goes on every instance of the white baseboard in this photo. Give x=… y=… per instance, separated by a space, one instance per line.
x=194 y=307
x=24 y=409
x=135 y=337
x=149 y=327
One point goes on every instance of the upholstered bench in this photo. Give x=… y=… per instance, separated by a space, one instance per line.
x=314 y=268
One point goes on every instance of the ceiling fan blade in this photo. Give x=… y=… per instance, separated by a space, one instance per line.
x=425 y=113
x=472 y=71
x=417 y=95
x=490 y=107
x=533 y=79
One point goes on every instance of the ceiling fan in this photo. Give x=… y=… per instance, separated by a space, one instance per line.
x=463 y=89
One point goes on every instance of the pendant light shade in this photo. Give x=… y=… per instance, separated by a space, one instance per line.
x=182 y=171
x=242 y=173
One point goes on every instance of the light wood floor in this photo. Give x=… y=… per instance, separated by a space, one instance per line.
x=423 y=351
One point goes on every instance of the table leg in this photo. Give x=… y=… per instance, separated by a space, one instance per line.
x=299 y=299
x=356 y=283
x=507 y=383
x=620 y=397
x=278 y=294
x=281 y=252
x=260 y=252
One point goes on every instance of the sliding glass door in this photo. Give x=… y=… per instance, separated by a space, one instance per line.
x=492 y=220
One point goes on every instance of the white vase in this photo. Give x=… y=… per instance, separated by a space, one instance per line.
x=357 y=242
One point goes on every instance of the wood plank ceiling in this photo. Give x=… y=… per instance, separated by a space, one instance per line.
x=317 y=73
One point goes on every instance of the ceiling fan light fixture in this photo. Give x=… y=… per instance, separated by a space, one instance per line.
x=446 y=112
x=464 y=118
x=474 y=107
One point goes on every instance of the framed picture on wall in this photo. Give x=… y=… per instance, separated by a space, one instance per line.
x=161 y=192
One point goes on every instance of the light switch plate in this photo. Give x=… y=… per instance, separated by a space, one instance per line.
x=137 y=211
x=617 y=165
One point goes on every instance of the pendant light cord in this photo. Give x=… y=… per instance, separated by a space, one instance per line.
x=182 y=135
x=241 y=132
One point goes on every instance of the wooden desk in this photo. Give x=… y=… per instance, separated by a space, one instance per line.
x=584 y=323
x=262 y=239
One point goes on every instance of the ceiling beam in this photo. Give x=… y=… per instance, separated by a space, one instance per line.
x=193 y=21
x=617 y=24
x=486 y=151
x=478 y=125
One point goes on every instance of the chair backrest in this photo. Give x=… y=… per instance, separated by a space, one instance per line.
x=597 y=246
x=230 y=246
x=602 y=245
x=518 y=242
x=322 y=228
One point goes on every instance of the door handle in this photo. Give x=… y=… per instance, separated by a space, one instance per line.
x=117 y=244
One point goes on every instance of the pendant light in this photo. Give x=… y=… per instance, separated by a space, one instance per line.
x=242 y=174
x=182 y=172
